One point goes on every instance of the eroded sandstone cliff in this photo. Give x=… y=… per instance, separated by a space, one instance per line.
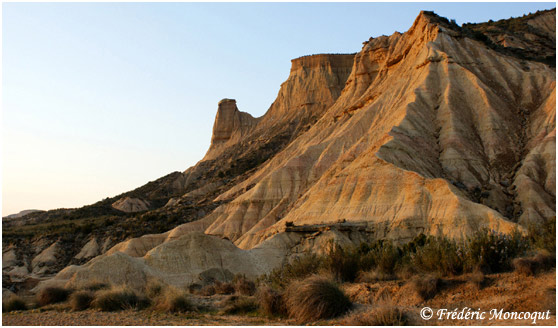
x=431 y=131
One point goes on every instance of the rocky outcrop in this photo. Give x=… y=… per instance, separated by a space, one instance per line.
x=230 y=126
x=314 y=83
x=420 y=126
x=178 y=262
x=429 y=131
x=89 y=250
x=531 y=37
x=46 y=259
x=131 y=205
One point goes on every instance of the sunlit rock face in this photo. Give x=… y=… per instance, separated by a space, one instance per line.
x=428 y=131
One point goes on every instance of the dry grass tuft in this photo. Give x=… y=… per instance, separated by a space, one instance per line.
x=271 y=302
x=545 y=260
x=244 y=286
x=239 y=305
x=315 y=298
x=477 y=279
x=51 y=295
x=81 y=300
x=174 y=301
x=223 y=288
x=530 y=266
x=374 y=276
x=426 y=286
x=383 y=315
x=14 y=303
x=95 y=286
x=208 y=290
x=118 y=299
x=154 y=289
x=194 y=288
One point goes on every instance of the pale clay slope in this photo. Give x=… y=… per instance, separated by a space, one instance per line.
x=89 y=250
x=131 y=205
x=419 y=111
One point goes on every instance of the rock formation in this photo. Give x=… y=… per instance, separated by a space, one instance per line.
x=231 y=125
x=435 y=131
x=131 y=205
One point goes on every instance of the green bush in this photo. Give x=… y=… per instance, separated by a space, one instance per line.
x=385 y=256
x=544 y=236
x=485 y=251
x=439 y=255
x=491 y=251
x=343 y=264
x=315 y=298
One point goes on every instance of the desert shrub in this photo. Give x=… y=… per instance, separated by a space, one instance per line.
x=439 y=255
x=51 y=295
x=208 y=290
x=194 y=288
x=298 y=268
x=385 y=256
x=544 y=236
x=545 y=260
x=81 y=300
x=477 y=279
x=491 y=251
x=154 y=289
x=119 y=299
x=406 y=270
x=14 y=303
x=525 y=266
x=315 y=298
x=239 y=305
x=374 y=276
x=95 y=286
x=244 y=286
x=174 y=302
x=271 y=302
x=426 y=286
x=383 y=315
x=343 y=264
x=223 y=288
x=532 y=265
x=388 y=316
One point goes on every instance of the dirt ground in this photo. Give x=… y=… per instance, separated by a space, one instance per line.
x=130 y=318
x=509 y=292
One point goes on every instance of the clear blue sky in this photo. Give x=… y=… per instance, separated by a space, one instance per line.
x=100 y=98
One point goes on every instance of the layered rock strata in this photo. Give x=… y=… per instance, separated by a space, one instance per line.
x=429 y=131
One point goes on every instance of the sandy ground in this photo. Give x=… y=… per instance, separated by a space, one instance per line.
x=508 y=292
x=129 y=318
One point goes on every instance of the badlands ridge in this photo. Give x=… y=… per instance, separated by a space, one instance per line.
x=429 y=131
